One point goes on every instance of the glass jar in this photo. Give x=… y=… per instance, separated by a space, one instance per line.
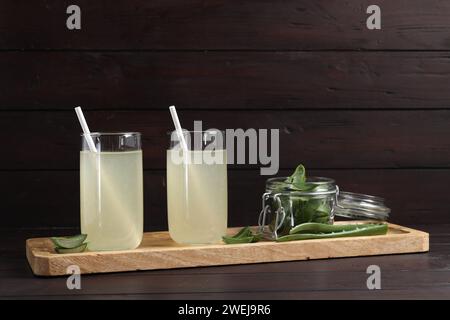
x=284 y=206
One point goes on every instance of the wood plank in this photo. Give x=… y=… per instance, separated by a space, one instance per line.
x=408 y=275
x=218 y=80
x=318 y=139
x=435 y=261
x=296 y=286
x=182 y=283
x=220 y=24
x=159 y=251
x=407 y=193
x=289 y=280
x=13 y=258
x=436 y=293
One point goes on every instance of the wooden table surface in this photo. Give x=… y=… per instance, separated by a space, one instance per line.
x=408 y=276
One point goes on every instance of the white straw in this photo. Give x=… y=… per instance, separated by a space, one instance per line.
x=85 y=128
x=176 y=122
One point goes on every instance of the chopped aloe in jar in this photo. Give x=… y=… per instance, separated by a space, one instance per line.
x=297 y=199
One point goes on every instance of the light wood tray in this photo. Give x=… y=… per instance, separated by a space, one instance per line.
x=158 y=251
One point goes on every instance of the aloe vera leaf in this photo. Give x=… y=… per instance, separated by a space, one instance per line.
x=322 y=214
x=78 y=249
x=244 y=232
x=298 y=178
x=372 y=230
x=312 y=227
x=324 y=207
x=309 y=209
x=245 y=235
x=69 y=242
x=231 y=240
x=306 y=187
x=257 y=237
x=322 y=219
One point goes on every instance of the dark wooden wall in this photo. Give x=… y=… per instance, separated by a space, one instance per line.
x=369 y=108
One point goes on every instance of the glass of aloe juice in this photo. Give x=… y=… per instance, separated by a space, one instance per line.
x=111 y=191
x=197 y=187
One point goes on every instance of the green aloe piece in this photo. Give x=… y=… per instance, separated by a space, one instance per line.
x=298 y=178
x=230 y=240
x=312 y=227
x=244 y=232
x=78 y=249
x=69 y=242
x=372 y=230
x=245 y=235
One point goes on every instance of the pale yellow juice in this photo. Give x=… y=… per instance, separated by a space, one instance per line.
x=197 y=199
x=111 y=199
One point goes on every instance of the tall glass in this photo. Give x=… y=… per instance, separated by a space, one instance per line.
x=197 y=187
x=111 y=191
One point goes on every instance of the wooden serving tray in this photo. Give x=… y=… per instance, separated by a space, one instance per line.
x=158 y=251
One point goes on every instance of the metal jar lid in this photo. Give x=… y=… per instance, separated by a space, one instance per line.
x=360 y=206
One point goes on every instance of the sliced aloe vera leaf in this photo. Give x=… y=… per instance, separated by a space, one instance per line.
x=72 y=250
x=69 y=242
x=229 y=240
x=367 y=230
x=244 y=232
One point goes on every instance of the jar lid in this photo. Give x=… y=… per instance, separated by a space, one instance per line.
x=361 y=206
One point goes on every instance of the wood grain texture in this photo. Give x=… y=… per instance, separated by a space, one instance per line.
x=318 y=139
x=230 y=80
x=415 y=196
x=429 y=293
x=159 y=251
x=221 y=24
x=405 y=276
